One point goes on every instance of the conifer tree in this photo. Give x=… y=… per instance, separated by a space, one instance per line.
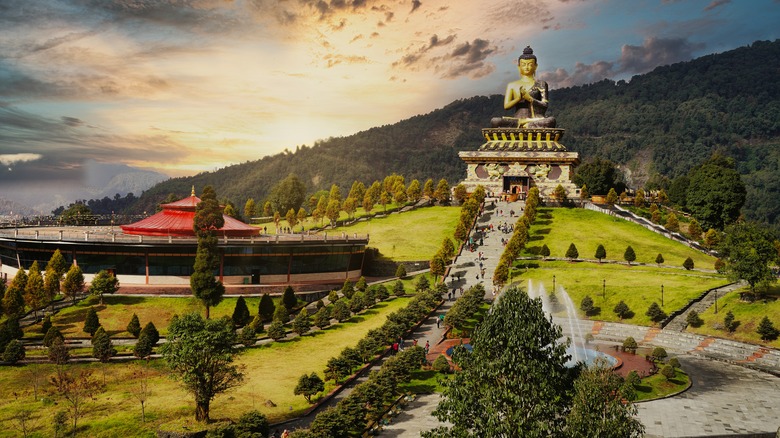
x=601 y=252
x=91 y=323
x=241 y=316
x=266 y=307
x=102 y=347
x=208 y=219
x=629 y=255
x=288 y=298
x=134 y=326
x=151 y=332
x=302 y=322
x=572 y=252
x=281 y=315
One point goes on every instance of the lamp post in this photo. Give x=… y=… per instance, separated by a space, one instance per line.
x=662 y=295
x=553 y=283
x=604 y=288
x=716 y=301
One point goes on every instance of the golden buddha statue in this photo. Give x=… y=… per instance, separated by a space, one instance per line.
x=527 y=96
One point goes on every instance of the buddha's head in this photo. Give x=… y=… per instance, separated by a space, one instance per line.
x=526 y=63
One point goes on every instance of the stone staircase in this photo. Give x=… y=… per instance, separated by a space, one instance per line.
x=748 y=355
x=679 y=323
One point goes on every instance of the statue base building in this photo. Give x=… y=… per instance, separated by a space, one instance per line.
x=515 y=159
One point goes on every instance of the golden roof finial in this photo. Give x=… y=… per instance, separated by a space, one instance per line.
x=193 y=190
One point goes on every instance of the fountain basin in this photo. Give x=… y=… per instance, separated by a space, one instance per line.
x=589 y=357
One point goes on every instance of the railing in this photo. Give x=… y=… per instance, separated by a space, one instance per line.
x=105 y=234
x=658 y=229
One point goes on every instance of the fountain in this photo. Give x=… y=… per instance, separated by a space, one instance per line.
x=577 y=349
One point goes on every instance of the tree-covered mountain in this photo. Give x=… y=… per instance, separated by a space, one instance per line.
x=657 y=126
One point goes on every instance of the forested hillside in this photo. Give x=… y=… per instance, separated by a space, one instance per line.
x=657 y=126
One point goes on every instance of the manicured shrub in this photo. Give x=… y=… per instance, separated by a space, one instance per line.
x=630 y=345
x=401 y=271
x=729 y=323
x=14 y=352
x=688 y=264
x=674 y=362
x=248 y=336
x=767 y=330
x=659 y=353
x=693 y=319
x=441 y=365
x=655 y=312
x=288 y=298
x=398 y=289
x=621 y=310
x=586 y=305
x=151 y=331
x=53 y=333
x=668 y=371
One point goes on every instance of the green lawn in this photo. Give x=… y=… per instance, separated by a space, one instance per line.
x=309 y=223
x=271 y=373
x=559 y=227
x=409 y=236
x=657 y=386
x=747 y=314
x=117 y=310
x=638 y=286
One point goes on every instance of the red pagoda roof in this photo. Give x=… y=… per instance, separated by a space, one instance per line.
x=176 y=219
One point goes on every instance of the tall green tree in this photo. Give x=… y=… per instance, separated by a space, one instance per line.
x=499 y=392
x=208 y=219
x=250 y=209
x=442 y=193
x=287 y=193
x=414 y=192
x=73 y=285
x=428 y=189
x=716 y=193
x=104 y=283
x=309 y=385
x=599 y=175
x=612 y=197
x=748 y=250
x=602 y=406
x=34 y=293
x=200 y=353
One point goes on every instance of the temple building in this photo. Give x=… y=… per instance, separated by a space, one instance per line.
x=160 y=250
x=513 y=160
x=176 y=219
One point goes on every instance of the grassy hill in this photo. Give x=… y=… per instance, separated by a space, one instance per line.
x=747 y=314
x=559 y=227
x=637 y=285
x=410 y=236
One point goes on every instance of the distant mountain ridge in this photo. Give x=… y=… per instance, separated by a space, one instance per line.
x=657 y=126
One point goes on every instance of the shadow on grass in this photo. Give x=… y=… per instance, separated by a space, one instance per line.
x=527 y=265
x=594 y=312
x=422 y=388
x=647 y=389
x=543 y=231
x=127 y=300
x=535 y=238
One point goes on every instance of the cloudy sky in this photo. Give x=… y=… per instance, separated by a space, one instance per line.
x=183 y=86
